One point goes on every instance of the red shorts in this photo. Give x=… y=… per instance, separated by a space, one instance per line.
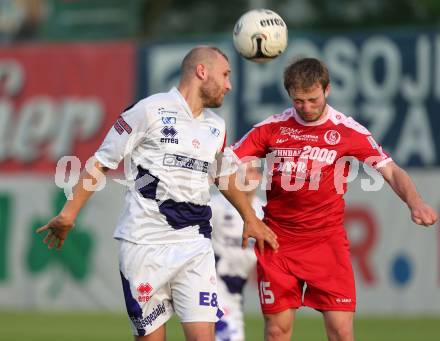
x=322 y=263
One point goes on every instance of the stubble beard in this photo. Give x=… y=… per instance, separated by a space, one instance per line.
x=211 y=95
x=320 y=112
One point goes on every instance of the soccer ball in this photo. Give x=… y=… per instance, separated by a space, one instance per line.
x=260 y=35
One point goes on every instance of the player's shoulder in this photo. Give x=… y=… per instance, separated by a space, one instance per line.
x=213 y=117
x=156 y=103
x=346 y=122
x=161 y=102
x=276 y=119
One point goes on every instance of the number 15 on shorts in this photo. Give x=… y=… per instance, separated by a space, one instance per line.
x=266 y=295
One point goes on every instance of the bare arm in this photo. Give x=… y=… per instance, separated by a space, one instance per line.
x=401 y=183
x=59 y=226
x=253 y=227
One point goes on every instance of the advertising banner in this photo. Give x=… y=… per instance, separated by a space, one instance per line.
x=60 y=99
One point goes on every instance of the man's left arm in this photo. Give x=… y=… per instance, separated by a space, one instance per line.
x=404 y=187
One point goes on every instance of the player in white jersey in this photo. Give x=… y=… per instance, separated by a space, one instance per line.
x=234 y=265
x=170 y=142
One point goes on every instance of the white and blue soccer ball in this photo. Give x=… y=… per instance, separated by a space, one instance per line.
x=260 y=35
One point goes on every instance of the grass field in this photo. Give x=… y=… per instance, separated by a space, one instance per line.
x=37 y=326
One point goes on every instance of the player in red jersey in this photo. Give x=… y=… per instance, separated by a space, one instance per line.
x=305 y=147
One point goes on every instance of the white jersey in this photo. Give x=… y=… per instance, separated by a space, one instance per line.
x=168 y=154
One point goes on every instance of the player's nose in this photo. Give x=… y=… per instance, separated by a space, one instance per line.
x=228 y=85
x=306 y=107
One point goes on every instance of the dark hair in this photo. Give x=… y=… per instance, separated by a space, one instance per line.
x=304 y=73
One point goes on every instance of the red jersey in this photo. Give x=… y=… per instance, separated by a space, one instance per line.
x=307 y=167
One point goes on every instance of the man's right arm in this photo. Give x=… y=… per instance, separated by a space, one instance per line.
x=252 y=226
x=59 y=226
x=122 y=138
x=404 y=187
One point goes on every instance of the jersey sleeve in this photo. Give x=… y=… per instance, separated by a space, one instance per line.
x=225 y=162
x=367 y=150
x=253 y=144
x=123 y=137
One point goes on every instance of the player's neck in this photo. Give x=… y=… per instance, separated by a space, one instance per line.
x=319 y=120
x=192 y=98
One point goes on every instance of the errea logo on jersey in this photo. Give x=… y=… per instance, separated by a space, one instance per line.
x=144 y=290
x=169 y=132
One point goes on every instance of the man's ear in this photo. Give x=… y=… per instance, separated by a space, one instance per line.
x=327 y=91
x=201 y=72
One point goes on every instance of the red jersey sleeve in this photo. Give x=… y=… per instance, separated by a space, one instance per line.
x=367 y=150
x=253 y=144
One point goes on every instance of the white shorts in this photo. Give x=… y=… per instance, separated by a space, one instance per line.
x=159 y=280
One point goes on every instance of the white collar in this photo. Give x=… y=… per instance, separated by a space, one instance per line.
x=178 y=96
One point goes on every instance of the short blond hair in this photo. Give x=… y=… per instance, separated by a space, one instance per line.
x=199 y=54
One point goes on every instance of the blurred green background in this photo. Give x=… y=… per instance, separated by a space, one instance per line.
x=170 y=19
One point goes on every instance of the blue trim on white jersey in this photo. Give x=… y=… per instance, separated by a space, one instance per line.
x=183 y=214
x=146 y=183
x=134 y=310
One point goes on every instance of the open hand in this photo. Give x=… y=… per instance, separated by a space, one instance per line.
x=261 y=232
x=58 y=228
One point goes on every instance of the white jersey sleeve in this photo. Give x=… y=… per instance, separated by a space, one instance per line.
x=123 y=137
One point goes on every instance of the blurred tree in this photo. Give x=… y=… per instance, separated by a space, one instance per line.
x=375 y=13
x=173 y=18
